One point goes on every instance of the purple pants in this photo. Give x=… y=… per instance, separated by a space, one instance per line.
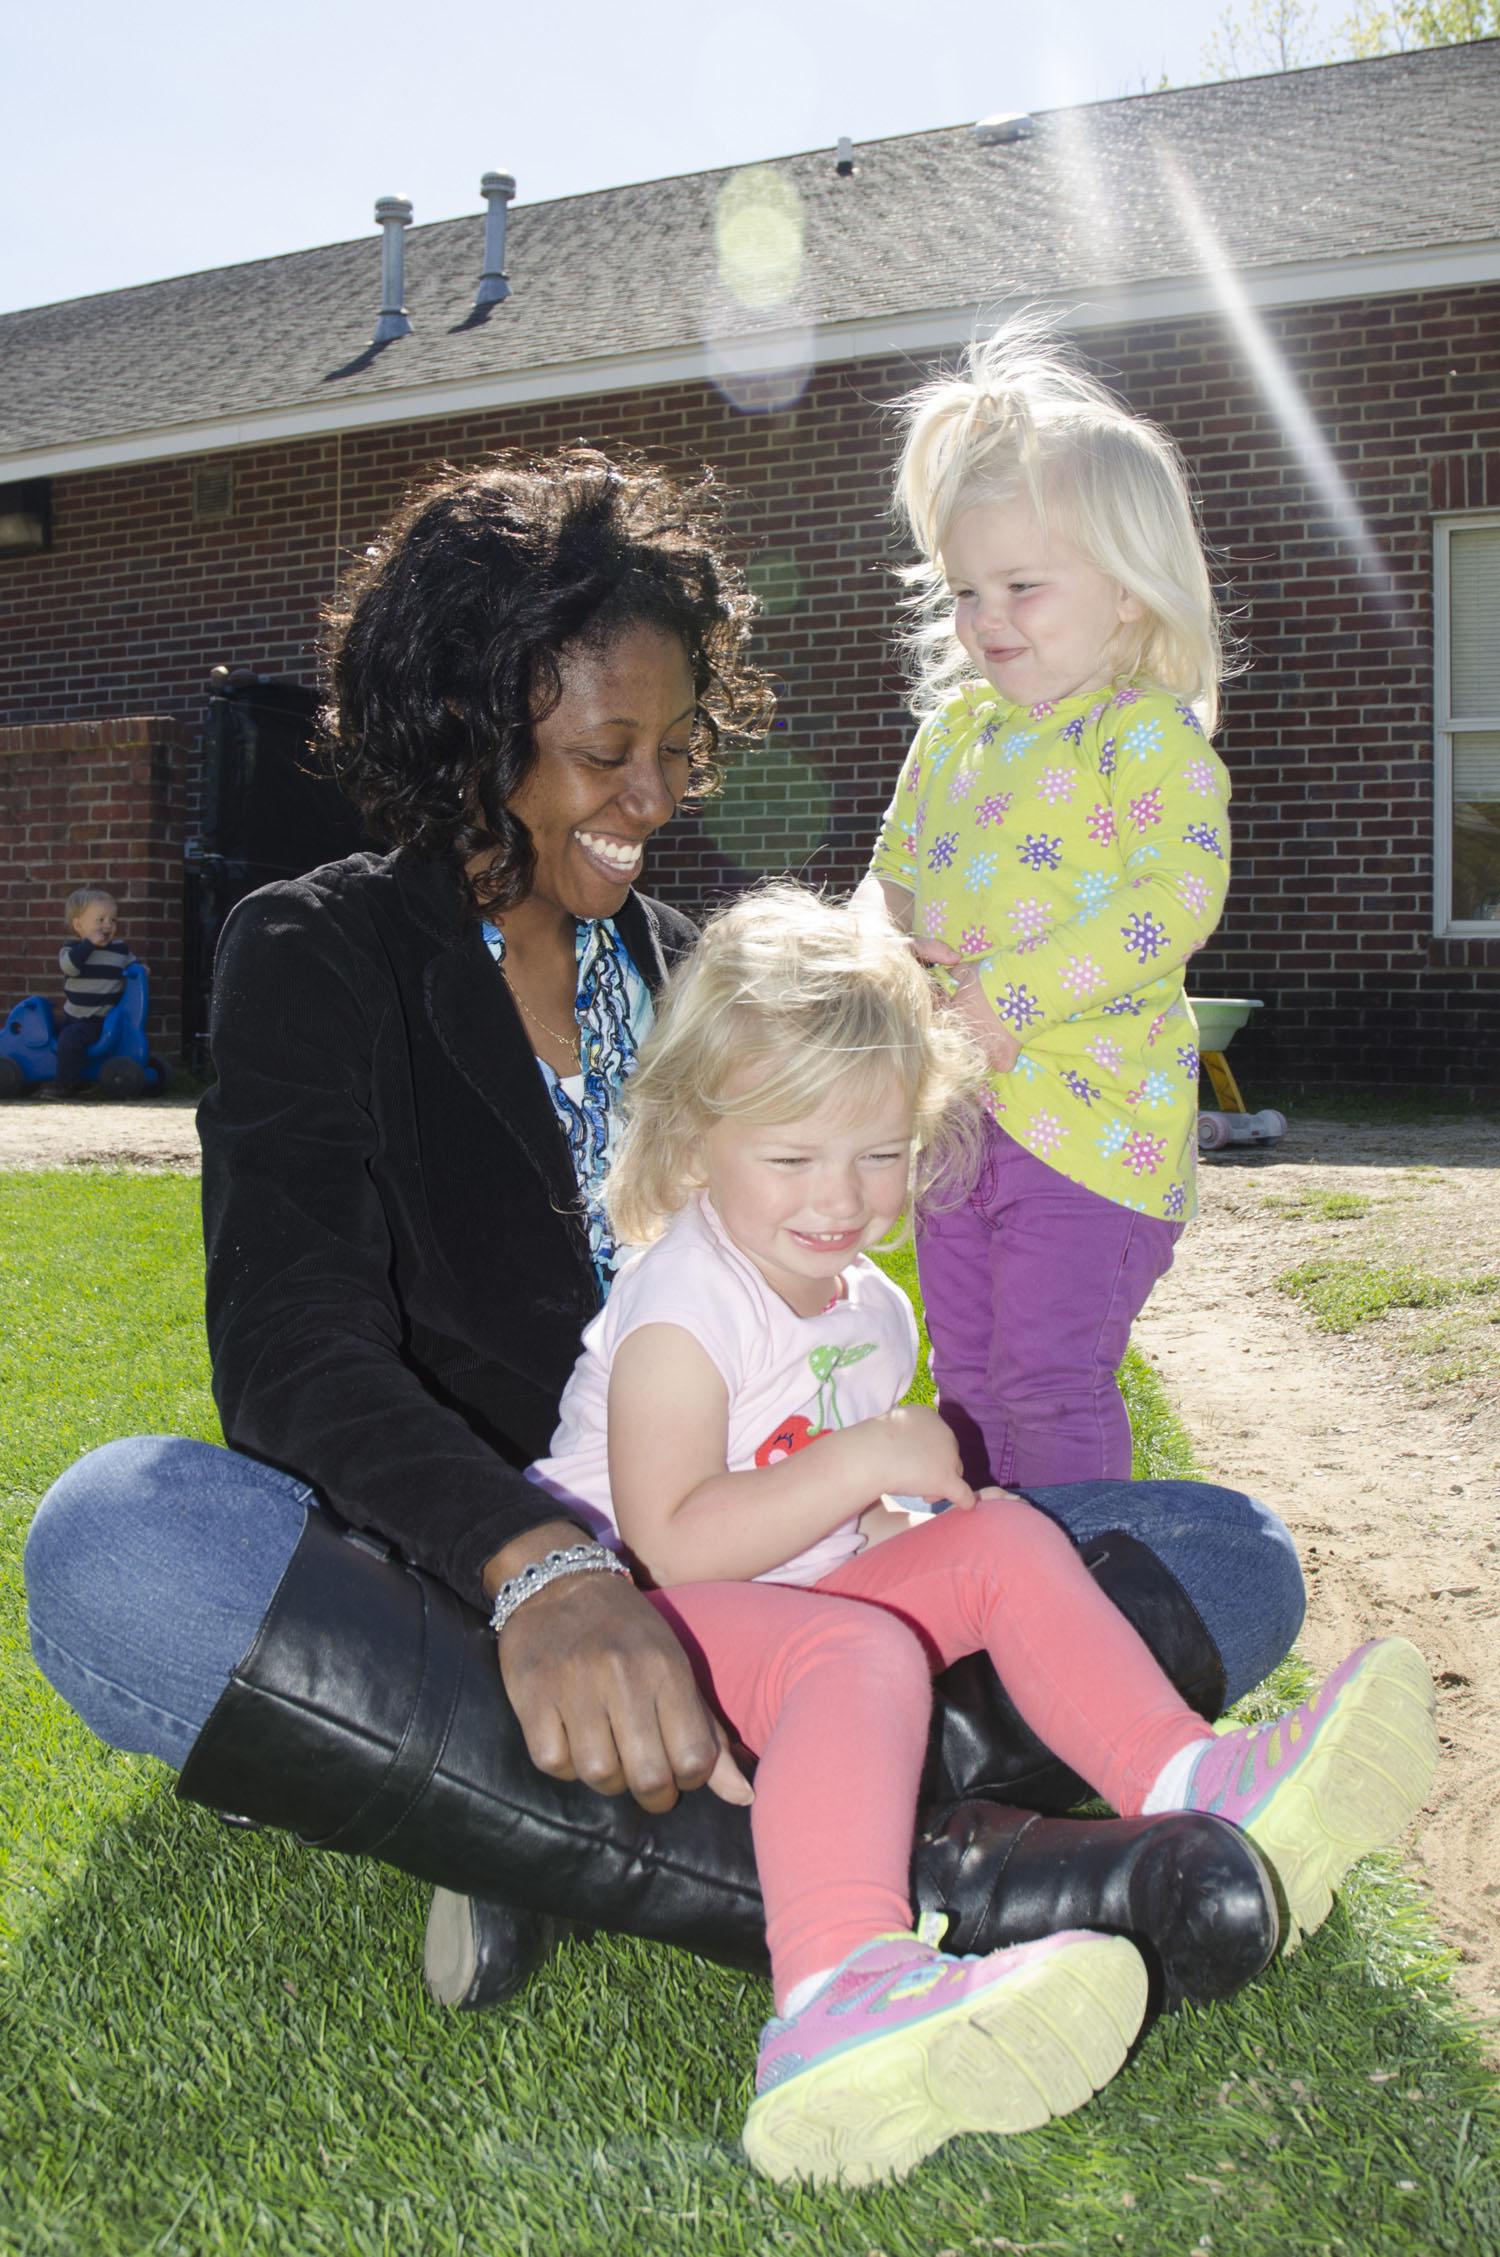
x=1031 y=1287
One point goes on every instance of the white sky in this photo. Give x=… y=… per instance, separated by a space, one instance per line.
x=161 y=138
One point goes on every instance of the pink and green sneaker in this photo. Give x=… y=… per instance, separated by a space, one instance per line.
x=1340 y=1776
x=905 y=2045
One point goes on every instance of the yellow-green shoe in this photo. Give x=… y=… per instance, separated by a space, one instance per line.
x=904 y=2046
x=1340 y=1776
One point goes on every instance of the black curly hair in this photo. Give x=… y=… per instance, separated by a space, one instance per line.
x=443 y=650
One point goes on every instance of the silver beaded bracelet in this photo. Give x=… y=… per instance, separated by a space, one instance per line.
x=576 y=1559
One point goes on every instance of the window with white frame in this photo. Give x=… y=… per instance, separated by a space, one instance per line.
x=1467 y=860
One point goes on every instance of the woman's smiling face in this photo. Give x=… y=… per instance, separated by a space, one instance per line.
x=612 y=763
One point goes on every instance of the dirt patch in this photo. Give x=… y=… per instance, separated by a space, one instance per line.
x=1381 y=1446
x=90 y=1132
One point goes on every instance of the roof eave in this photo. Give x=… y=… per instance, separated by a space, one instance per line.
x=1378 y=274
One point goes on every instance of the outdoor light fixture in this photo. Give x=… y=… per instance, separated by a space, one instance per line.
x=25 y=517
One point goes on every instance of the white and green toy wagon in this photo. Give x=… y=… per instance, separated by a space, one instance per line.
x=1220 y=1018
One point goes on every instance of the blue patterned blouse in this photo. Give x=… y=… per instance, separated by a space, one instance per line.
x=613 y=1010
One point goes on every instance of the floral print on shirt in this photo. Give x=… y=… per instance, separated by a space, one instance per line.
x=1078 y=855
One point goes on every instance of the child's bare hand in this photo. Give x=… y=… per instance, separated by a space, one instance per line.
x=934 y=952
x=914 y=1454
x=966 y=1001
x=972 y=1008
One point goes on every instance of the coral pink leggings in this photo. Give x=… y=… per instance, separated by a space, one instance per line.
x=832 y=1689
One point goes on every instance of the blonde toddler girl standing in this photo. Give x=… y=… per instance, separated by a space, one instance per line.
x=1058 y=841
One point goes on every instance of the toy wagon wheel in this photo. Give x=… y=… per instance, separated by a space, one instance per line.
x=12 y=1080
x=122 y=1077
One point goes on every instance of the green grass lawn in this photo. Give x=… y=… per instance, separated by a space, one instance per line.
x=1385 y=1107
x=217 y=2042
x=1339 y=1295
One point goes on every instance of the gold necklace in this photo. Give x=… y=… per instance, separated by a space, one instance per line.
x=565 y=1042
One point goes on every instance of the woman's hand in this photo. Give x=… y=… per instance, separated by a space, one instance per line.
x=602 y=1689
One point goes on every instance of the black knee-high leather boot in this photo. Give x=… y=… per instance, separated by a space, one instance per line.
x=369 y=1717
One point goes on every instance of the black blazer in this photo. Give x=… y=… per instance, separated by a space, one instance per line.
x=397 y=1270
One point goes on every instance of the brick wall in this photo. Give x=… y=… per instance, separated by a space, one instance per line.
x=93 y=803
x=1327 y=730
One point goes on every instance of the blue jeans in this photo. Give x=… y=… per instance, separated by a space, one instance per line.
x=75 y=1039
x=151 y=1564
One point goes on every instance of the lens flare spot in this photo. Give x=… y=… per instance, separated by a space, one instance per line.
x=775 y=583
x=758 y=236
x=761 y=373
x=772 y=814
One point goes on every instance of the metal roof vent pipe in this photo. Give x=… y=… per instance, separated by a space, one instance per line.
x=497 y=189
x=1005 y=126
x=843 y=163
x=394 y=216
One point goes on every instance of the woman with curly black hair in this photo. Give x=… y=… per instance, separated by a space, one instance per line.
x=418 y=1057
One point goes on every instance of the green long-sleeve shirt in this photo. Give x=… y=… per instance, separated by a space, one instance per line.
x=1077 y=853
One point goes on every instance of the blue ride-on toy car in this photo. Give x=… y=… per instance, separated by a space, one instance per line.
x=118 y=1060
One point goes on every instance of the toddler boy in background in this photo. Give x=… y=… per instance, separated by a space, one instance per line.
x=93 y=968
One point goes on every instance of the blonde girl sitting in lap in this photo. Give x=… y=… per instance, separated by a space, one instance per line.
x=734 y=1421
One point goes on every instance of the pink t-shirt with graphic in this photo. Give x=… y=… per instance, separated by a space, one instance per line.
x=790 y=1378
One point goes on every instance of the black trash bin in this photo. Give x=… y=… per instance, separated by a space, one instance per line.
x=268 y=813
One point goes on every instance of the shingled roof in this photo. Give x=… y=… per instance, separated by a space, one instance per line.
x=1309 y=183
